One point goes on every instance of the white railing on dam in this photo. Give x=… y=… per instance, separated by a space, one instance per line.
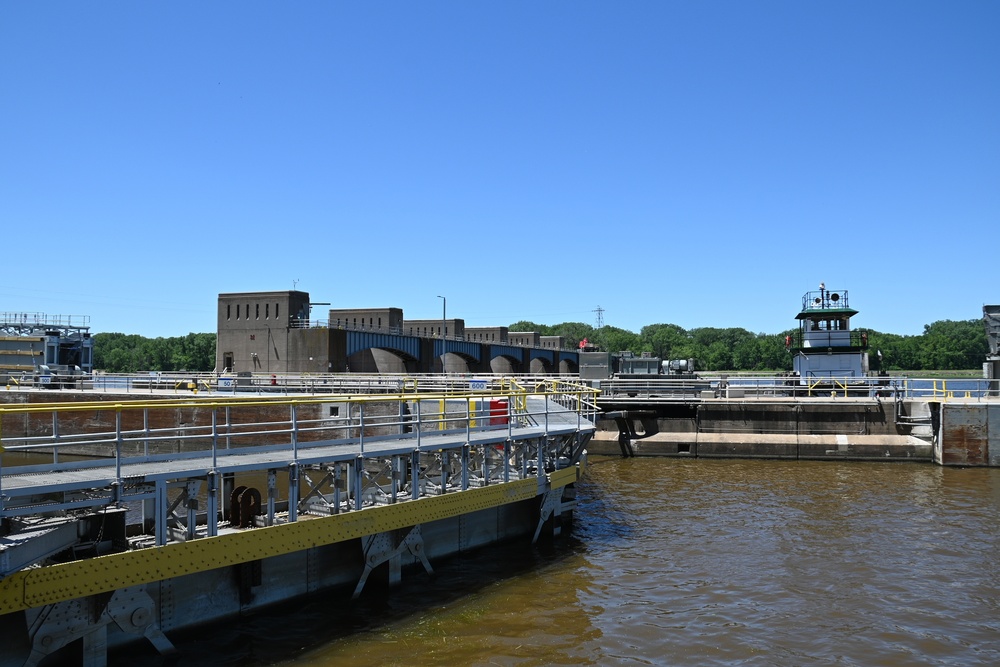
x=654 y=386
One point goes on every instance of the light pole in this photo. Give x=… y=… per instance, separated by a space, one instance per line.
x=444 y=317
x=444 y=328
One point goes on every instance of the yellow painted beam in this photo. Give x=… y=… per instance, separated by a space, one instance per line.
x=68 y=581
x=561 y=478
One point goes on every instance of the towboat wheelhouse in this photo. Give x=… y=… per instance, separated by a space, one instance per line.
x=825 y=346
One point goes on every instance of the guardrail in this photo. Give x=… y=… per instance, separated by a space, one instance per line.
x=456 y=440
x=656 y=386
x=900 y=387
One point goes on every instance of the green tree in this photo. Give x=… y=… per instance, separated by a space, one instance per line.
x=665 y=341
x=573 y=332
x=525 y=325
x=613 y=339
x=122 y=353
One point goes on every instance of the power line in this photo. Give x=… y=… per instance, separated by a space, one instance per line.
x=600 y=316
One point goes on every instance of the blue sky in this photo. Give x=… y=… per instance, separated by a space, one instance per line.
x=695 y=163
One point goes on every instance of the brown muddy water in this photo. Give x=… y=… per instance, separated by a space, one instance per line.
x=683 y=562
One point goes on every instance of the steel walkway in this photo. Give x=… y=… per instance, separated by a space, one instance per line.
x=392 y=463
x=81 y=476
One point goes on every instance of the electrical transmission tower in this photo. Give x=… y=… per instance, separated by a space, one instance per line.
x=600 y=316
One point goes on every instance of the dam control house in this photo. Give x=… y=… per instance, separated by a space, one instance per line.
x=276 y=332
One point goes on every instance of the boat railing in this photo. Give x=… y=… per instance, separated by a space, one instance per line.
x=824 y=298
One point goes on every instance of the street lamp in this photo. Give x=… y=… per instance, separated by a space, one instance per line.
x=444 y=317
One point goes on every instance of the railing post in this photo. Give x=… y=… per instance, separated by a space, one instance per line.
x=361 y=430
x=415 y=474
x=401 y=416
x=506 y=460
x=468 y=418
x=418 y=423
x=215 y=439
x=55 y=436
x=213 y=503
x=191 y=489
x=465 y=466
x=541 y=457
x=118 y=443
x=545 y=399
x=272 y=488
x=397 y=468
x=295 y=432
x=444 y=471
x=359 y=479
x=229 y=428
x=160 y=520
x=293 y=491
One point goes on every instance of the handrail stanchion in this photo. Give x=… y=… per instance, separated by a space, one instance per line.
x=445 y=462
x=293 y=491
x=118 y=443
x=295 y=432
x=506 y=460
x=213 y=502
x=215 y=438
x=415 y=474
x=540 y=458
x=465 y=466
x=359 y=478
x=55 y=436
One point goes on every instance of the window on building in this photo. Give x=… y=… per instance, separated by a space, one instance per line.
x=267 y=311
x=275 y=311
x=237 y=311
x=229 y=308
x=257 y=311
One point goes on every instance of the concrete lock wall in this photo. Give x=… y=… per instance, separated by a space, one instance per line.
x=738 y=429
x=967 y=434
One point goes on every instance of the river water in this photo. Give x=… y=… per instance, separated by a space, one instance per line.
x=686 y=562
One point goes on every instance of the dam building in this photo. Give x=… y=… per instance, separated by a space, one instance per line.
x=274 y=332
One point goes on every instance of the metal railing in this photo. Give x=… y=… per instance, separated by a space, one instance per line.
x=298 y=323
x=782 y=385
x=380 y=448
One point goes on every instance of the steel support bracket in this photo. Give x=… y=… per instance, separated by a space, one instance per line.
x=382 y=547
x=54 y=626
x=551 y=504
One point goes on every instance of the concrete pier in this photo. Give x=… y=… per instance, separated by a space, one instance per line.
x=960 y=432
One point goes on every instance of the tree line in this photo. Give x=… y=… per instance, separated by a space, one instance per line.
x=130 y=353
x=944 y=345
